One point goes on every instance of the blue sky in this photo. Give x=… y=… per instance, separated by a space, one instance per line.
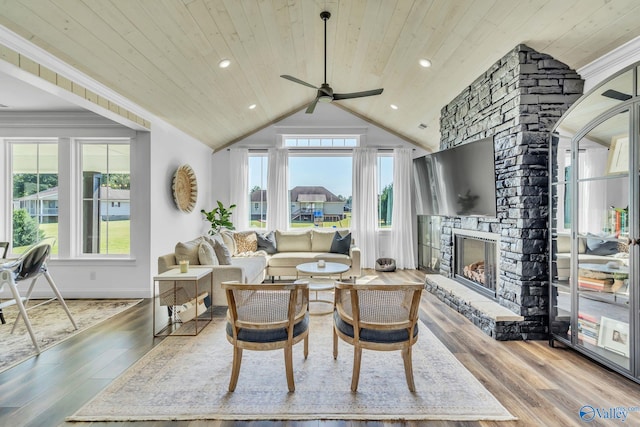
x=334 y=173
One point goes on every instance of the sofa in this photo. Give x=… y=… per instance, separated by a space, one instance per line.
x=594 y=250
x=252 y=257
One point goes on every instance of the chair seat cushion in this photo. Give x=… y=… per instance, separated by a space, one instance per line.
x=269 y=335
x=374 y=335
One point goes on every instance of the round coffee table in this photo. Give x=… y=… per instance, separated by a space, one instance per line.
x=320 y=280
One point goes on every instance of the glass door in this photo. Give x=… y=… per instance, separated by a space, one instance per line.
x=600 y=269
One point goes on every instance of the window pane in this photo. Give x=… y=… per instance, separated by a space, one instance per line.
x=258 y=191
x=34 y=194
x=385 y=191
x=106 y=198
x=320 y=191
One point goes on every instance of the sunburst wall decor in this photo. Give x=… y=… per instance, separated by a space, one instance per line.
x=185 y=188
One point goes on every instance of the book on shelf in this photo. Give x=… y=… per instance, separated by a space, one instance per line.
x=602 y=285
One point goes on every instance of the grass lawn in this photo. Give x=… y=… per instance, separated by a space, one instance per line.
x=119 y=237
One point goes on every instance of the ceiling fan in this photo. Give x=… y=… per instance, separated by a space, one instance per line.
x=325 y=92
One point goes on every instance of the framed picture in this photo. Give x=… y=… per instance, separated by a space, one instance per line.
x=618 y=161
x=614 y=336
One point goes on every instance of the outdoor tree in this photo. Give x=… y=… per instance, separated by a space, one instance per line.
x=25 y=229
x=386 y=204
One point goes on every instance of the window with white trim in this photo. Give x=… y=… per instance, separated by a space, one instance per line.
x=385 y=190
x=34 y=193
x=105 y=192
x=258 y=163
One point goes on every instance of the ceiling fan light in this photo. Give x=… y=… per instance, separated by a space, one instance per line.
x=325 y=98
x=224 y=63
x=425 y=63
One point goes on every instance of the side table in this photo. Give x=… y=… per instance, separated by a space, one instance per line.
x=190 y=278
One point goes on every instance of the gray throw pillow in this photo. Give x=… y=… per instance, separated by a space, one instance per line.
x=222 y=251
x=267 y=242
x=340 y=244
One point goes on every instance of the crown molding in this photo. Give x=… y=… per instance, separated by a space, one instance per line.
x=610 y=63
x=24 y=47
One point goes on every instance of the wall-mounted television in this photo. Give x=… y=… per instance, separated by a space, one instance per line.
x=459 y=181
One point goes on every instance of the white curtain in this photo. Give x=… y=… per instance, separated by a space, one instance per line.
x=277 y=189
x=402 y=235
x=365 y=204
x=239 y=187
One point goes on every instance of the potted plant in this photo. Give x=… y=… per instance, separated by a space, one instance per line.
x=219 y=218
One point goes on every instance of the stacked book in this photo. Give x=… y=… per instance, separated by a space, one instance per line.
x=600 y=285
x=588 y=328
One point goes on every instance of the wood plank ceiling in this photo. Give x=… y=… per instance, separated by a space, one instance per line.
x=164 y=54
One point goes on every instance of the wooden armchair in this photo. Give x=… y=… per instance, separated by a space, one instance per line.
x=267 y=317
x=377 y=317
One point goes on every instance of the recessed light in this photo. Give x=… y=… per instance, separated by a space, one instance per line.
x=393 y=106
x=4 y=106
x=252 y=106
x=422 y=126
x=224 y=63
x=425 y=63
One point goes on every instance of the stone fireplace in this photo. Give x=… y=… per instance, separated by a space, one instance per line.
x=476 y=261
x=517 y=101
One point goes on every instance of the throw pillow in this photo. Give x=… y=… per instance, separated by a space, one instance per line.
x=188 y=251
x=341 y=244
x=206 y=254
x=598 y=245
x=293 y=241
x=222 y=251
x=229 y=241
x=267 y=242
x=246 y=241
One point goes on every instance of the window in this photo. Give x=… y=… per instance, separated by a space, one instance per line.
x=34 y=193
x=321 y=141
x=320 y=190
x=258 y=190
x=385 y=190
x=105 y=197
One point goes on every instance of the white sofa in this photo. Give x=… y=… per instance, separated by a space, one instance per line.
x=292 y=248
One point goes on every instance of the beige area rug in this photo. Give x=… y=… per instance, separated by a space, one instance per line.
x=186 y=378
x=52 y=326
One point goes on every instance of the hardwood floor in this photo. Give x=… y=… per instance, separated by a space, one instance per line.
x=540 y=385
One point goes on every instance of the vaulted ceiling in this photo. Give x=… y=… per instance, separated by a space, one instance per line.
x=164 y=54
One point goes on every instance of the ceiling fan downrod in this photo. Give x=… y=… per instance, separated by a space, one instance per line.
x=325 y=17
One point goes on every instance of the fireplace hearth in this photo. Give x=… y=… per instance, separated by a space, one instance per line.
x=476 y=261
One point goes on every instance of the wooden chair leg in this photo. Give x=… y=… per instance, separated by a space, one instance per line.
x=357 y=357
x=235 y=369
x=2 y=317
x=306 y=346
x=335 y=343
x=408 y=368
x=288 y=363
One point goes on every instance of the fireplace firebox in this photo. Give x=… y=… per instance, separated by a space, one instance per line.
x=476 y=261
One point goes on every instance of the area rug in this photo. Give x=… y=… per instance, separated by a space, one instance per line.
x=52 y=326
x=186 y=378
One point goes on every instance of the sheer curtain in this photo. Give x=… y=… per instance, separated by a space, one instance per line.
x=239 y=186
x=402 y=235
x=365 y=204
x=277 y=189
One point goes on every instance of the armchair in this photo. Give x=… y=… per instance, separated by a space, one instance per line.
x=267 y=317
x=377 y=317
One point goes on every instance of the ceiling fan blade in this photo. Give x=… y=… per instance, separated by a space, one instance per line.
x=338 y=96
x=312 y=106
x=611 y=93
x=293 y=79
